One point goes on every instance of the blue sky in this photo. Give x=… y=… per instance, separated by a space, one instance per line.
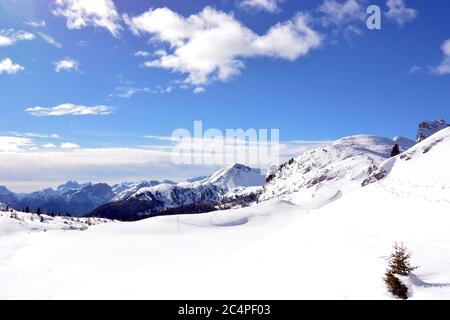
x=320 y=75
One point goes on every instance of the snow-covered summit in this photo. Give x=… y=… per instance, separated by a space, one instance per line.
x=235 y=176
x=428 y=128
x=126 y=189
x=323 y=174
x=69 y=186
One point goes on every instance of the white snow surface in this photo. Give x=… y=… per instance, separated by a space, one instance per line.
x=272 y=250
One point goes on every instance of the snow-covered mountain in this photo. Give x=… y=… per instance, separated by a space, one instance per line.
x=428 y=128
x=341 y=247
x=235 y=176
x=77 y=200
x=69 y=186
x=427 y=160
x=324 y=174
x=123 y=190
x=224 y=184
x=6 y=196
x=73 y=197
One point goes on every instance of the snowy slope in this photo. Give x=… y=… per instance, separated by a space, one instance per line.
x=271 y=250
x=15 y=221
x=152 y=258
x=426 y=168
x=339 y=250
x=322 y=175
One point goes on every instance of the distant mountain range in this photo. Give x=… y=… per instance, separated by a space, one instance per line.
x=74 y=198
x=232 y=185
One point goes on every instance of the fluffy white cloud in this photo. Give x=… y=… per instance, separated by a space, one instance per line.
x=444 y=67
x=66 y=64
x=199 y=90
x=9 y=67
x=266 y=5
x=129 y=91
x=32 y=22
x=50 y=40
x=415 y=70
x=69 y=109
x=142 y=54
x=34 y=135
x=83 y=13
x=10 y=37
x=398 y=12
x=69 y=145
x=49 y=146
x=340 y=13
x=8 y=143
x=211 y=45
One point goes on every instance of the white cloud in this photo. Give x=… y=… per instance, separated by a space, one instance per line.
x=142 y=54
x=444 y=67
x=9 y=37
x=69 y=109
x=83 y=43
x=415 y=70
x=66 y=64
x=161 y=138
x=26 y=167
x=49 y=146
x=50 y=40
x=211 y=45
x=34 y=135
x=162 y=90
x=69 y=145
x=160 y=53
x=266 y=5
x=340 y=13
x=9 y=67
x=129 y=91
x=198 y=90
x=84 y=13
x=8 y=143
x=32 y=22
x=399 y=13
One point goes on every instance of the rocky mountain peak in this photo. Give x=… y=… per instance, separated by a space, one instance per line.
x=428 y=128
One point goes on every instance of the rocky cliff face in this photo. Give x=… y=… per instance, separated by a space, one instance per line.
x=428 y=128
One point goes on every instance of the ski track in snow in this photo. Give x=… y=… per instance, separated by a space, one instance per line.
x=411 y=189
